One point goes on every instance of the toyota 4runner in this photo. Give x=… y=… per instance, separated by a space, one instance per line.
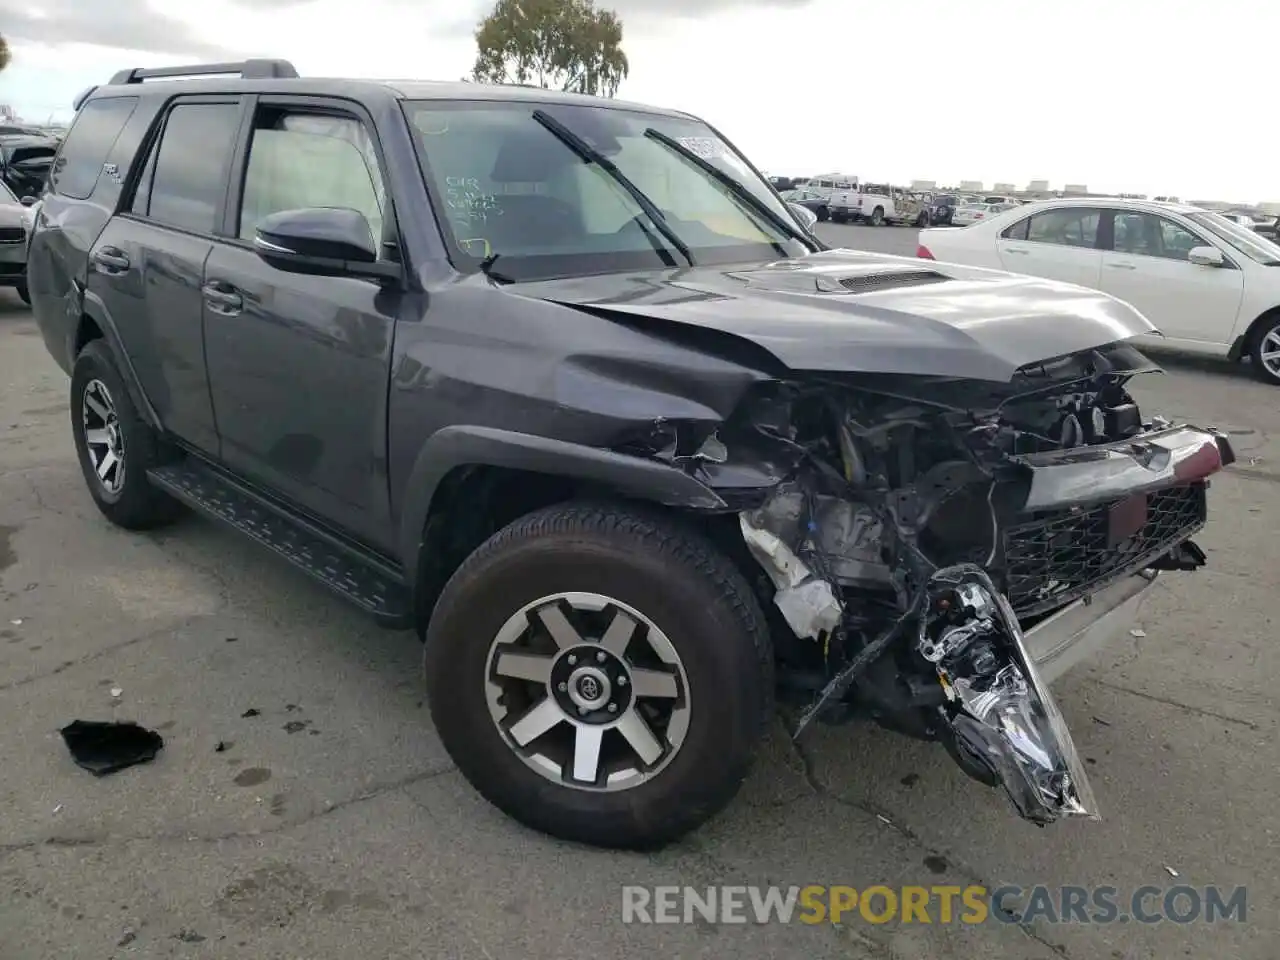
x=564 y=385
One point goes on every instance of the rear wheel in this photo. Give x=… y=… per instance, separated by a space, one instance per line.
x=115 y=445
x=601 y=674
x=823 y=214
x=877 y=216
x=1266 y=350
x=24 y=294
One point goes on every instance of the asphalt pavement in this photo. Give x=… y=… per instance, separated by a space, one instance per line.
x=302 y=806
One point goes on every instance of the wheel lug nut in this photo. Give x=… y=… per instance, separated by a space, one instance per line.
x=602 y=656
x=572 y=659
x=582 y=711
x=613 y=708
x=563 y=687
x=622 y=680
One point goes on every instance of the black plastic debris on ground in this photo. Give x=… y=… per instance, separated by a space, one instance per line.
x=106 y=747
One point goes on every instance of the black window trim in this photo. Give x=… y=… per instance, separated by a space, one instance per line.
x=328 y=106
x=1229 y=262
x=151 y=143
x=1098 y=234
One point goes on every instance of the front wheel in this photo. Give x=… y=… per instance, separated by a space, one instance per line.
x=1266 y=351
x=823 y=214
x=600 y=673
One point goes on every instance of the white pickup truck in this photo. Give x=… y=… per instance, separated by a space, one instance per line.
x=878 y=203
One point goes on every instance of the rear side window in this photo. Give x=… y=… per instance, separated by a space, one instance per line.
x=185 y=179
x=1018 y=231
x=75 y=173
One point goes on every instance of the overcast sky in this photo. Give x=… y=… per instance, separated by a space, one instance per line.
x=1122 y=95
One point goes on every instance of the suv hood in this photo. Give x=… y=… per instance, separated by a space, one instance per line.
x=849 y=311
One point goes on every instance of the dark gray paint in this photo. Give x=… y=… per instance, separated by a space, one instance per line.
x=351 y=399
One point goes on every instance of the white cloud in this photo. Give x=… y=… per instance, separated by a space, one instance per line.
x=1134 y=95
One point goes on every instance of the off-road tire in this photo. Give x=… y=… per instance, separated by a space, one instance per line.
x=668 y=573
x=24 y=294
x=1269 y=325
x=137 y=505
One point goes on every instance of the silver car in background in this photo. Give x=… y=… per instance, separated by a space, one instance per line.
x=16 y=219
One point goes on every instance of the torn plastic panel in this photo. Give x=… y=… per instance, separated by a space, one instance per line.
x=1003 y=717
x=808 y=603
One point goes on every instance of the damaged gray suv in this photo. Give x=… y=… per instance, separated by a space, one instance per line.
x=564 y=385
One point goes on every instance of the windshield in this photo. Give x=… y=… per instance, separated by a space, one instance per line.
x=1242 y=239
x=6 y=193
x=512 y=190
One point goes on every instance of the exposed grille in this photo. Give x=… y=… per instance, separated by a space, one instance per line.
x=12 y=235
x=1058 y=556
x=891 y=281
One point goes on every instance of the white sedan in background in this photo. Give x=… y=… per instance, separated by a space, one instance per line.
x=974 y=212
x=1209 y=285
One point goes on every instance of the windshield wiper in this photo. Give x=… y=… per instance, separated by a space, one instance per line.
x=497 y=276
x=733 y=186
x=591 y=155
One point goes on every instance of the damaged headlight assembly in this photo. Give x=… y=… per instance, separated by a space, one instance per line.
x=930 y=548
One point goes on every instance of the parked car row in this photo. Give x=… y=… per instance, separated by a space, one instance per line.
x=1209 y=284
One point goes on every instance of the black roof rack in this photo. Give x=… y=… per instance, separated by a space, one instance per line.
x=246 y=69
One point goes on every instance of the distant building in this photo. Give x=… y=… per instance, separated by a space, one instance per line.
x=1271 y=206
x=1075 y=190
x=1038 y=186
x=970 y=186
x=924 y=185
x=1003 y=188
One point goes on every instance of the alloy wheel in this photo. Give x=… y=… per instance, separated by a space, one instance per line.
x=588 y=691
x=1269 y=351
x=102 y=436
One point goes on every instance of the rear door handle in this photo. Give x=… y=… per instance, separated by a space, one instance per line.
x=111 y=260
x=222 y=298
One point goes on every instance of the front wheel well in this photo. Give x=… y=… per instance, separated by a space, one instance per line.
x=475 y=501
x=86 y=331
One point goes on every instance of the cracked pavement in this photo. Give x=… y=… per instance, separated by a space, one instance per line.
x=329 y=823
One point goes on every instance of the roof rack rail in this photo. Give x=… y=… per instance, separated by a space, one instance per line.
x=246 y=69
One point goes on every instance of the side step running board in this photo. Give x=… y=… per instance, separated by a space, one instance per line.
x=364 y=580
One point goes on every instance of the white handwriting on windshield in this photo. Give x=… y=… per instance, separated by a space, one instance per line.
x=465 y=197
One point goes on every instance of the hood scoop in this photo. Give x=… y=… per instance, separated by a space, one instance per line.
x=802 y=277
x=896 y=280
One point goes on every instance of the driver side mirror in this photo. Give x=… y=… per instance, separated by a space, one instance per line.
x=29 y=201
x=322 y=241
x=803 y=214
x=1206 y=256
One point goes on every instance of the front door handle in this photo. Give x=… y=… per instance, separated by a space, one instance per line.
x=1017 y=250
x=1122 y=266
x=111 y=260
x=222 y=298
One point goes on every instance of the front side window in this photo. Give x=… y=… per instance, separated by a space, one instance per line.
x=1065 y=227
x=1149 y=235
x=507 y=186
x=185 y=179
x=75 y=171
x=300 y=160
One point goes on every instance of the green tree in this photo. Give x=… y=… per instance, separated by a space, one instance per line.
x=565 y=44
x=4 y=52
